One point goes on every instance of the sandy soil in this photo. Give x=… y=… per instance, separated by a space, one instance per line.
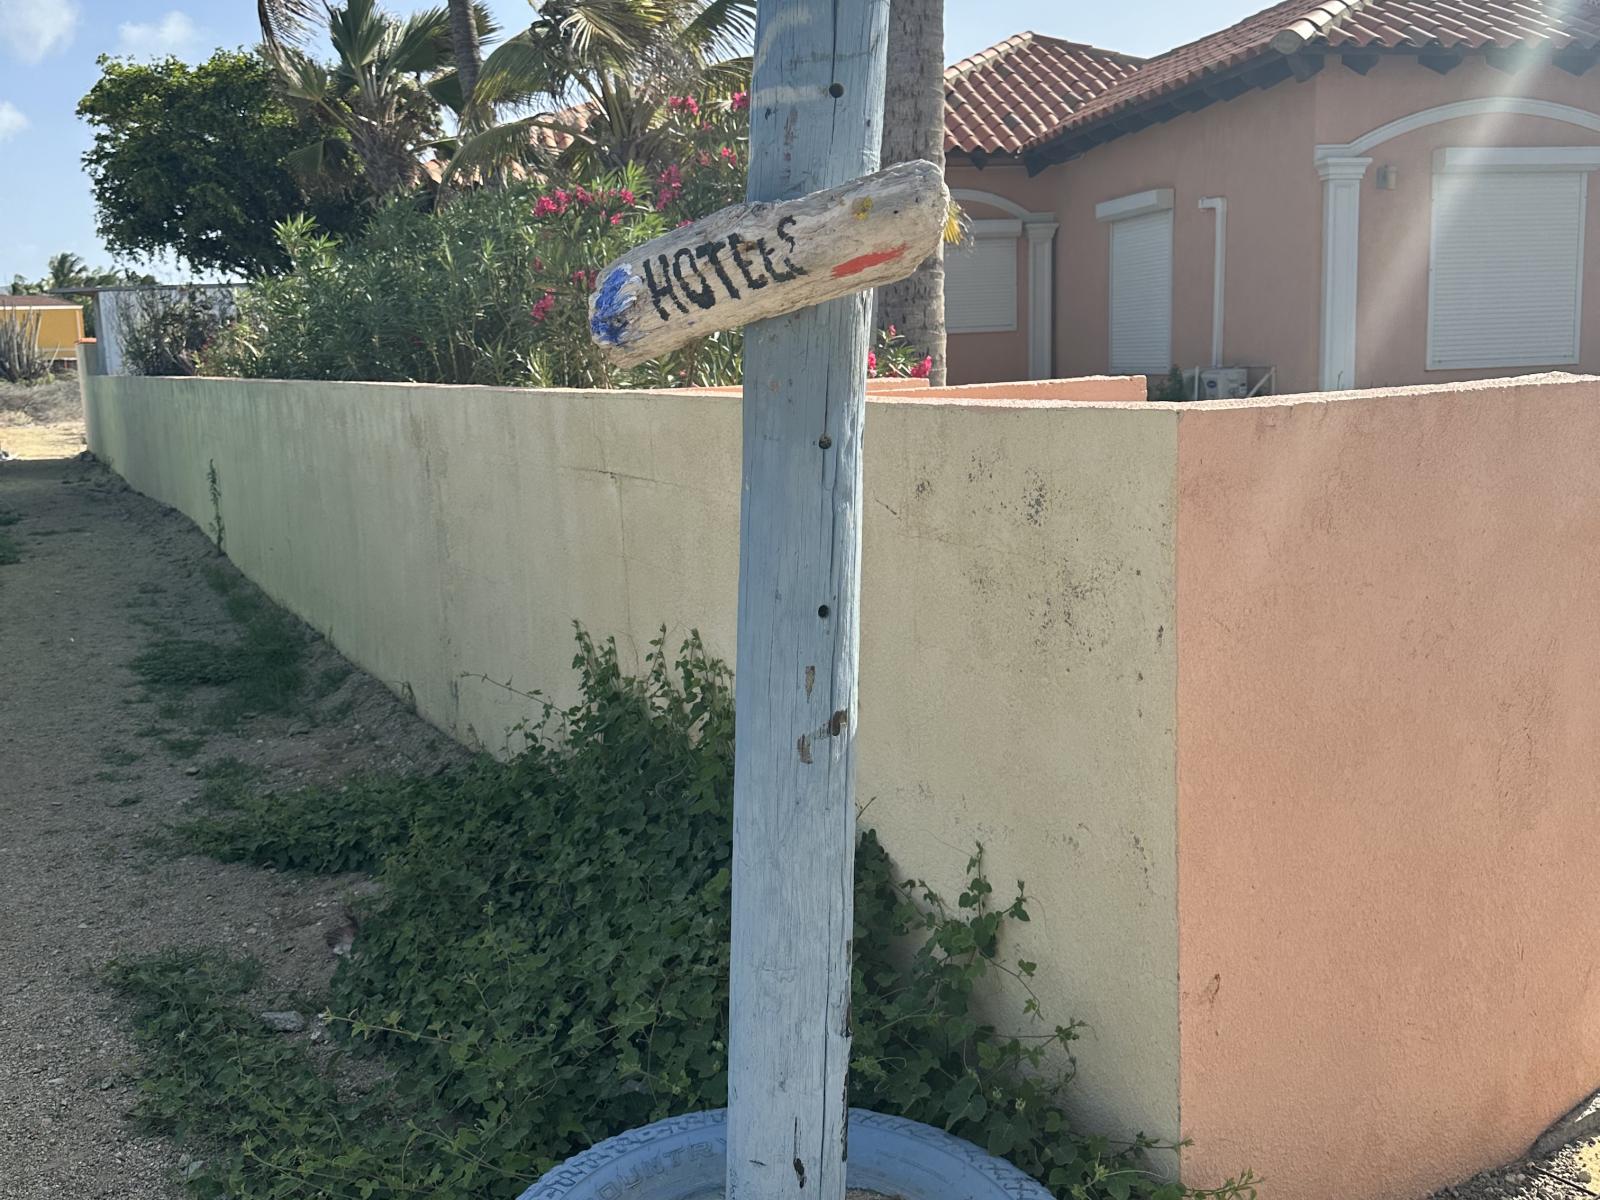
x=80 y=787
x=43 y=420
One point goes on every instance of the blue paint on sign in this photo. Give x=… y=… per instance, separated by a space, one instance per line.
x=607 y=321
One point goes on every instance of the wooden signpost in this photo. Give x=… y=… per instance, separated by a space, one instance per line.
x=760 y=260
x=813 y=236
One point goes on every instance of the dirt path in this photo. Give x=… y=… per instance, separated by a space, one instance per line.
x=41 y=420
x=86 y=776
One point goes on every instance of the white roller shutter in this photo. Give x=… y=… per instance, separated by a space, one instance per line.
x=1141 y=294
x=980 y=286
x=1506 y=273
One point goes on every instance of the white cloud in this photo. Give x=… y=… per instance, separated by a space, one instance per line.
x=32 y=29
x=12 y=120
x=174 y=33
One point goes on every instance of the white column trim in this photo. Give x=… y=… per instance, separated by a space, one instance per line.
x=1341 y=243
x=1041 y=296
x=1219 y=272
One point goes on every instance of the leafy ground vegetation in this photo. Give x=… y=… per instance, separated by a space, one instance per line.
x=544 y=964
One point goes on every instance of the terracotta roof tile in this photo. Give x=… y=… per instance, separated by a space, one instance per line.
x=1007 y=96
x=1346 y=25
x=1053 y=100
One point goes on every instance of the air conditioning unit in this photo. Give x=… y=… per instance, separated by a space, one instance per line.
x=1224 y=383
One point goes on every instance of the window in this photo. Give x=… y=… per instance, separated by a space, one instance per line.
x=980 y=280
x=1141 y=281
x=1506 y=270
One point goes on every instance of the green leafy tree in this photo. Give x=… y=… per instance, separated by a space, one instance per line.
x=192 y=160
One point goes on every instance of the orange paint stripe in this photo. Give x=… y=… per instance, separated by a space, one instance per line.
x=861 y=262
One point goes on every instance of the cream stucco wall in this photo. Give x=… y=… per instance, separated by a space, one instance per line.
x=1017 y=675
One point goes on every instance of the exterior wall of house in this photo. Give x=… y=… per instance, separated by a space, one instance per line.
x=60 y=327
x=1392 y=323
x=1232 y=149
x=981 y=357
x=1258 y=151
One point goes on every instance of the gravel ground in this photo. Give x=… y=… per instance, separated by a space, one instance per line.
x=79 y=789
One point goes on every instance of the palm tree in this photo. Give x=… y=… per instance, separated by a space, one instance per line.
x=65 y=270
x=373 y=90
x=284 y=21
x=464 y=45
x=914 y=94
x=607 y=68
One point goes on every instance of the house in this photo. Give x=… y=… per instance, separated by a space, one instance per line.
x=1352 y=193
x=60 y=322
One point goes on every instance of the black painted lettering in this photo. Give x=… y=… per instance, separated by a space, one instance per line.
x=709 y=251
x=662 y=290
x=705 y=297
x=778 y=275
x=783 y=232
x=736 y=245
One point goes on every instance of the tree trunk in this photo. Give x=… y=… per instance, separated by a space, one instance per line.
x=914 y=128
x=464 y=47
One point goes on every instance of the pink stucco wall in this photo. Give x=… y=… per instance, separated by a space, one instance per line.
x=1388 y=756
x=1393 y=308
x=1258 y=151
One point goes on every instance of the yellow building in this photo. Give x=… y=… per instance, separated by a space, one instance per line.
x=60 y=322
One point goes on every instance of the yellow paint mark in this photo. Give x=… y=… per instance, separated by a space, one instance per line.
x=861 y=208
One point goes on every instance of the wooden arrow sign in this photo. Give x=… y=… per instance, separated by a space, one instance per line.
x=753 y=261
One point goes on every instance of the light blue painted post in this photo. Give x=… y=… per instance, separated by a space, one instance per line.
x=815 y=112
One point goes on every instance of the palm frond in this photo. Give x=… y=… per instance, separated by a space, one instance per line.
x=421 y=43
x=723 y=27
x=285 y=21
x=516 y=71
x=510 y=142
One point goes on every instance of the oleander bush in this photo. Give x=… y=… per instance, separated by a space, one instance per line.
x=492 y=285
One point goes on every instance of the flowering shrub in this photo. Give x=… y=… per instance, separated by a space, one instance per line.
x=494 y=287
x=890 y=357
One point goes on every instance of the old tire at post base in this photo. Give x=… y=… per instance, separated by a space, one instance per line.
x=685 y=1158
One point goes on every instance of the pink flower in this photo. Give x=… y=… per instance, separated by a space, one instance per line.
x=542 y=306
x=681 y=224
x=922 y=369
x=739 y=101
x=544 y=207
x=616 y=218
x=703 y=158
x=625 y=195
x=891 y=331
x=727 y=154
x=686 y=104
x=872 y=363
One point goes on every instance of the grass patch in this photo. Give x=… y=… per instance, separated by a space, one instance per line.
x=10 y=551
x=546 y=965
x=259 y=671
x=183 y=745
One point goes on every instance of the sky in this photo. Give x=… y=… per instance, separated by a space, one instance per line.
x=48 y=50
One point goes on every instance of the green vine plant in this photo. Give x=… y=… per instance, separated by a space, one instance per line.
x=545 y=965
x=219 y=533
